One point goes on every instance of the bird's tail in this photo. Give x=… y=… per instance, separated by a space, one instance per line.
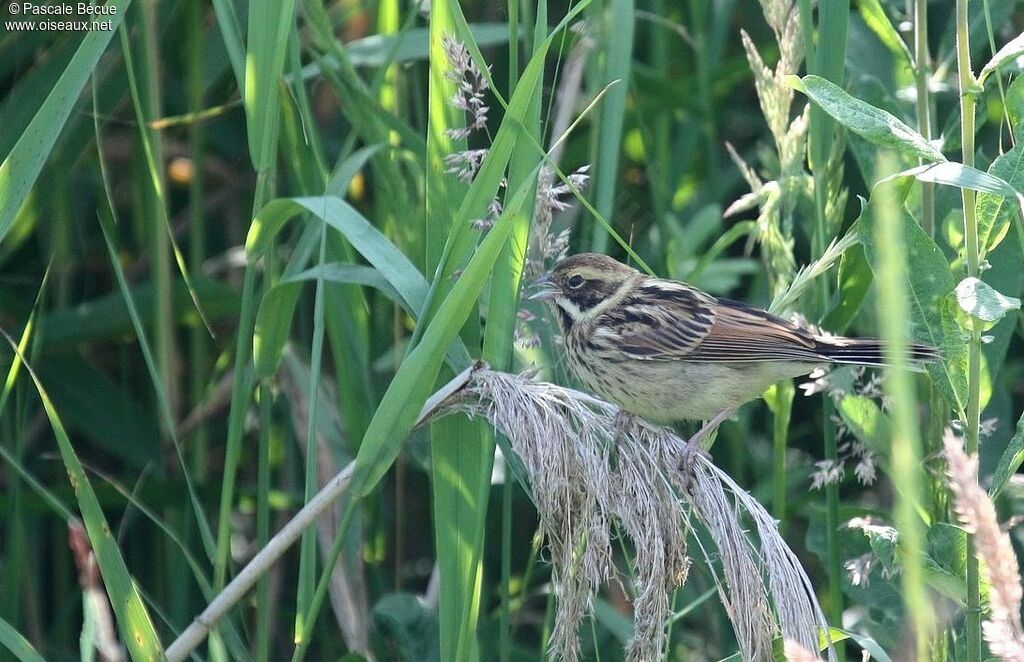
x=871 y=352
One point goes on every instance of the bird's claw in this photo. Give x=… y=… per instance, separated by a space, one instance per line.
x=688 y=455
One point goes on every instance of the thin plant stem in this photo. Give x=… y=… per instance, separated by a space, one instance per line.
x=899 y=387
x=164 y=327
x=780 y=436
x=831 y=29
x=308 y=554
x=922 y=73
x=505 y=608
x=967 y=85
x=936 y=405
x=263 y=607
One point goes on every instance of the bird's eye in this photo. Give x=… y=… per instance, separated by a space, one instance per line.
x=576 y=281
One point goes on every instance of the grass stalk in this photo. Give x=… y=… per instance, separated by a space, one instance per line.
x=937 y=407
x=827 y=62
x=618 y=26
x=899 y=387
x=152 y=105
x=967 y=87
x=266 y=53
x=781 y=415
x=308 y=553
x=922 y=74
x=507 y=493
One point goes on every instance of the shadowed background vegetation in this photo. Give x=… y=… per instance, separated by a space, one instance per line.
x=241 y=244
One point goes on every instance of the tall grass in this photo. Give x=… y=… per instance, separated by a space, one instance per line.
x=288 y=267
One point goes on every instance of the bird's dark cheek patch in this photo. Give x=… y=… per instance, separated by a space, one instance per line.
x=588 y=299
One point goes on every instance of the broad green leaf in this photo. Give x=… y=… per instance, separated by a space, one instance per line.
x=461 y=450
x=19 y=170
x=933 y=313
x=617 y=27
x=1011 y=460
x=878 y=21
x=854 y=283
x=1011 y=51
x=832 y=636
x=17 y=644
x=867 y=422
x=408 y=627
x=873 y=124
x=996 y=211
x=1015 y=105
x=344 y=218
x=108 y=318
x=269 y=23
x=97 y=408
x=274 y=318
x=231 y=35
x=481 y=193
x=620 y=625
x=946 y=561
x=27 y=93
x=983 y=305
x=955 y=174
x=133 y=620
x=414 y=380
x=869 y=645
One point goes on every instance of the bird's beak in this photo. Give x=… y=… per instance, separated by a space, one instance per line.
x=545 y=289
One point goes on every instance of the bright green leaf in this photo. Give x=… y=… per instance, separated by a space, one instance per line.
x=16 y=643
x=19 y=170
x=873 y=124
x=868 y=422
x=996 y=211
x=933 y=315
x=1011 y=51
x=1011 y=460
x=133 y=620
x=274 y=318
x=984 y=305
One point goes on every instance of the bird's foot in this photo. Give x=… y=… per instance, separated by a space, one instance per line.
x=694 y=445
x=623 y=425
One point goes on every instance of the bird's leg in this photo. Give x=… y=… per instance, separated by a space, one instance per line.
x=624 y=421
x=693 y=447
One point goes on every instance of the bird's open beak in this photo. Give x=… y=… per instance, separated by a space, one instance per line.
x=545 y=289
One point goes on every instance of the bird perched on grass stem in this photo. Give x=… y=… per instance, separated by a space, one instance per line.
x=667 y=352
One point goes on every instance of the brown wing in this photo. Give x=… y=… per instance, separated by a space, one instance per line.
x=742 y=333
x=659 y=320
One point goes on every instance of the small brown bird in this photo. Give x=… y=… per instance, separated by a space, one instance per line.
x=667 y=352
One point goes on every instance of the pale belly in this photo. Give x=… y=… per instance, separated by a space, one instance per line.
x=670 y=391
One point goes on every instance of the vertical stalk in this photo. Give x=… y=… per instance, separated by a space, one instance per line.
x=922 y=72
x=198 y=342
x=705 y=101
x=307 y=554
x=159 y=240
x=263 y=607
x=889 y=230
x=827 y=59
x=937 y=408
x=967 y=92
x=505 y=609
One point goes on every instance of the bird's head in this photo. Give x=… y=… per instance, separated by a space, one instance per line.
x=580 y=284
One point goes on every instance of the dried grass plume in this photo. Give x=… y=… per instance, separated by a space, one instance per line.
x=1002 y=629
x=593 y=470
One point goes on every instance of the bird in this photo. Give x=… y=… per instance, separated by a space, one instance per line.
x=668 y=352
